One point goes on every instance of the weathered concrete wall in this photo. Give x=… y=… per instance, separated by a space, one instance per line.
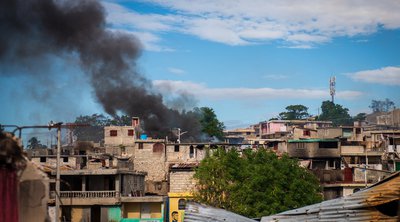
x=352 y=149
x=373 y=176
x=182 y=181
x=329 y=133
x=311 y=150
x=156 y=157
x=51 y=161
x=147 y=160
x=132 y=185
x=184 y=154
x=33 y=194
x=299 y=133
x=122 y=137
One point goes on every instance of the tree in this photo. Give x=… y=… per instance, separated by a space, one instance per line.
x=360 y=117
x=210 y=124
x=294 y=112
x=123 y=120
x=335 y=113
x=382 y=105
x=256 y=183
x=96 y=123
x=34 y=143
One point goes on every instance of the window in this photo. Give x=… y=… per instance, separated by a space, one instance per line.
x=181 y=204
x=65 y=159
x=131 y=132
x=176 y=148
x=43 y=159
x=328 y=145
x=300 y=145
x=113 y=133
x=191 y=152
x=306 y=133
x=140 y=146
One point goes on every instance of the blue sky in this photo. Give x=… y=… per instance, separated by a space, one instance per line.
x=246 y=59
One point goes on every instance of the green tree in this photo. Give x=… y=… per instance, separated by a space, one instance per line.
x=210 y=124
x=335 y=113
x=34 y=143
x=256 y=183
x=360 y=117
x=382 y=105
x=94 y=131
x=123 y=120
x=294 y=112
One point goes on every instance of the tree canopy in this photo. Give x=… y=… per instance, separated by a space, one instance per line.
x=294 y=112
x=96 y=122
x=210 y=124
x=360 y=117
x=382 y=105
x=335 y=113
x=34 y=143
x=256 y=183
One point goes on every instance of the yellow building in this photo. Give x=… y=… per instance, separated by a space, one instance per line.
x=176 y=205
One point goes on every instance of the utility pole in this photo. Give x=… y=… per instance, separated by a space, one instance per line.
x=332 y=87
x=366 y=165
x=180 y=134
x=58 y=126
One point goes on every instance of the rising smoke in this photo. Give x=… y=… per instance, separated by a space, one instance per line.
x=33 y=30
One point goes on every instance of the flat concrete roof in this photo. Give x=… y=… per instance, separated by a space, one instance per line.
x=98 y=172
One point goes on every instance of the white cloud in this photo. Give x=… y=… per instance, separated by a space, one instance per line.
x=176 y=71
x=298 y=23
x=204 y=92
x=386 y=76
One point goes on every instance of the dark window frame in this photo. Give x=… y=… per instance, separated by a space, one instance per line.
x=113 y=133
x=176 y=148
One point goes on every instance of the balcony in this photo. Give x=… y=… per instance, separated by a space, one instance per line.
x=89 y=197
x=89 y=194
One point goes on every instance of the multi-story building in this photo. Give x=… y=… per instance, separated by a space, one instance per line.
x=104 y=188
x=283 y=128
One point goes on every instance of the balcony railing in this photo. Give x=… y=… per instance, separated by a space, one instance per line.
x=89 y=194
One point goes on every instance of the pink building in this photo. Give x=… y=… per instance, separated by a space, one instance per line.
x=280 y=128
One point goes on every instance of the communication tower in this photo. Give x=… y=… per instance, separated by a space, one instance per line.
x=332 y=87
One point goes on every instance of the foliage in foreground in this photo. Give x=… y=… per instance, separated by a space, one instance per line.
x=256 y=183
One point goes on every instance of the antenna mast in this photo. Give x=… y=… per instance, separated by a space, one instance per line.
x=332 y=85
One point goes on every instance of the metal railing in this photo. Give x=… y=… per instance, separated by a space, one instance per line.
x=89 y=194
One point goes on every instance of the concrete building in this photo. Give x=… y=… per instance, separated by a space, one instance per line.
x=281 y=128
x=105 y=188
x=242 y=135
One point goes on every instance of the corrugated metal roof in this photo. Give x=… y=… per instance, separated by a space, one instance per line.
x=360 y=206
x=184 y=165
x=202 y=213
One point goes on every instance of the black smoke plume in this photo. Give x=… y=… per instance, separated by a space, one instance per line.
x=31 y=30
